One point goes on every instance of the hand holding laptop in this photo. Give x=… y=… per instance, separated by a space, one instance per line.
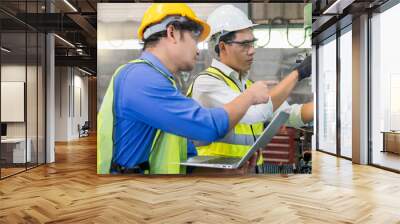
x=249 y=166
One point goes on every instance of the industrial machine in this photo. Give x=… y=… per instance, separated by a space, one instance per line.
x=289 y=152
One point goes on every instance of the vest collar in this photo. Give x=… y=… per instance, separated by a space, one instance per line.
x=155 y=61
x=228 y=71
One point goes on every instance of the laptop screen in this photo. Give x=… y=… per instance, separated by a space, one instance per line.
x=269 y=132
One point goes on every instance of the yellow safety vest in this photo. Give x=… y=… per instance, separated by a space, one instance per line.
x=167 y=150
x=238 y=142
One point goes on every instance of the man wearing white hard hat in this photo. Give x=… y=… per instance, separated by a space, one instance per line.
x=231 y=43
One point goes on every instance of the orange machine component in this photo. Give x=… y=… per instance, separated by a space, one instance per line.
x=282 y=148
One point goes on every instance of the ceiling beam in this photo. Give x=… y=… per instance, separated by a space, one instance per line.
x=81 y=61
x=86 y=27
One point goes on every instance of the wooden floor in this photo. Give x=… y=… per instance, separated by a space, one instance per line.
x=69 y=191
x=10 y=171
x=5 y=172
x=387 y=159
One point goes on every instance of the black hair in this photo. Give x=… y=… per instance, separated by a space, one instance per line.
x=181 y=26
x=225 y=38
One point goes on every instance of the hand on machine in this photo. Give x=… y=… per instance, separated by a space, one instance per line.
x=304 y=68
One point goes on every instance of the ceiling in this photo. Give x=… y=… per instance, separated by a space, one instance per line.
x=329 y=16
x=76 y=22
x=73 y=20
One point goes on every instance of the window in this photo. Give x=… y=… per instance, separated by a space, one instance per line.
x=282 y=38
x=346 y=93
x=385 y=88
x=327 y=96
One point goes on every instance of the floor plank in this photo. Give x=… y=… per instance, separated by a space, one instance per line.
x=69 y=191
x=386 y=159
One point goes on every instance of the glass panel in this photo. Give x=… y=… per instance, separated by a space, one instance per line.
x=32 y=88
x=22 y=79
x=31 y=97
x=41 y=98
x=346 y=94
x=327 y=97
x=13 y=87
x=385 y=89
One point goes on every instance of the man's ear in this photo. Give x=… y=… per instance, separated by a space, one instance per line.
x=222 y=47
x=171 y=33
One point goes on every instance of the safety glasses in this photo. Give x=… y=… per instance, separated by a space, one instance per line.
x=194 y=29
x=189 y=26
x=246 y=44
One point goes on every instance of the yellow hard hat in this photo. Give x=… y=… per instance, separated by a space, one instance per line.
x=157 y=12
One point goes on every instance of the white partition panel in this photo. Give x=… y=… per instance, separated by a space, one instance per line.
x=12 y=101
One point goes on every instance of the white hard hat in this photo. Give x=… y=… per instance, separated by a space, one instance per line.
x=228 y=18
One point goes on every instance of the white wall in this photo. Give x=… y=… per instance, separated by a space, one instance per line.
x=16 y=73
x=79 y=117
x=71 y=93
x=33 y=126
x=13 y=73
x=61 y=103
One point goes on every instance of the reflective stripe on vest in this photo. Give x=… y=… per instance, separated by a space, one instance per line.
x=167 y=150
x=238 y=141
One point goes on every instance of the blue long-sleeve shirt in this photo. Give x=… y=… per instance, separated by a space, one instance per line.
x=145 y=100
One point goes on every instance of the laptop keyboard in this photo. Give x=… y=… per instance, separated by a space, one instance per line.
x=223 y=160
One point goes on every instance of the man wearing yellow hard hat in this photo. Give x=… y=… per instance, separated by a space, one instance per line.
x=144 y=121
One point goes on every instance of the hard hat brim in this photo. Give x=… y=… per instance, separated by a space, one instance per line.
x=206 y=28
x=238 y=29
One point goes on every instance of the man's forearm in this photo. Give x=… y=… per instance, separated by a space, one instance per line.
x=251 y=96
x=281 y=91
x=237 y=108
x=307 y=112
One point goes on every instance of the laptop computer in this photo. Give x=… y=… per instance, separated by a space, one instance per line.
x=223 y=162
